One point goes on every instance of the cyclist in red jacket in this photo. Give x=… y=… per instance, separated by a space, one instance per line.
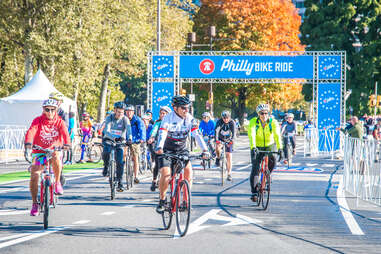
x=47 y=131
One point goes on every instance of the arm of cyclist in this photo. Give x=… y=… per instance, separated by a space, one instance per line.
x=195 y=132
x=277 y=136
x=162 y=136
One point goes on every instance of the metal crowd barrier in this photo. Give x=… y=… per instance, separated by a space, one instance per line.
x=12 y=143
x=322 y=142
x=362 y=169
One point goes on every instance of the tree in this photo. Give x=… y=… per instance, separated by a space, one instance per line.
x=253 y=25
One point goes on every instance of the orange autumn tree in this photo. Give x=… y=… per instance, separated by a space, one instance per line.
x=251 y=25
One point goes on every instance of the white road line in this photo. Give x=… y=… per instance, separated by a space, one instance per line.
x=6 y=238
x=346 y=212
x=243 y=167
x=107 y=213
x=14 y=189
x=80 y=222
x=13 y=212
x=311 y=164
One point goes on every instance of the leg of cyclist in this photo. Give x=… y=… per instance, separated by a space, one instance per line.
x=218 y=152
x=154 y=173
x=254 y=175
x=285 y=152
x=188 y=174
x=135 y=152
x=57 y=168
x=106 y=158
x=35 y=171
x=229 y=150
x=83 y=147
x=119 y=153
x=165 y=171
x=293 y=145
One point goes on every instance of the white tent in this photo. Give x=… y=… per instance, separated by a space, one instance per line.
x=25 y=105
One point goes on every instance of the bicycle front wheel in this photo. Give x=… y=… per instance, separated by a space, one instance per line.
x=112 y=179
x=46 y=204
x=266 y=193
x=77 y=150
x=167 y=214
x=222 y=166
x=183 y=207
x=95 y=153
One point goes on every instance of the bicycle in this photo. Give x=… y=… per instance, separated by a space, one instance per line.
x=93 y=151
x=209 y=142
x=264 y=180
x=129 y=168
x=112 y=165
x=223 y=161
x=143 y=159
x=47 y=196
x=178 y=199
x=288 y=148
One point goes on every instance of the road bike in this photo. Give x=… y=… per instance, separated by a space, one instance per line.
x=93 y=151
x=264 y=180
x=178 y=198
x=288 y=148
x=112 y=165
x=212 y=151
x=223 y=161
x=47 y=197
x=144 y=159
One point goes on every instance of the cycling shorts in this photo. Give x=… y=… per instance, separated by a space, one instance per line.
x=165 y=162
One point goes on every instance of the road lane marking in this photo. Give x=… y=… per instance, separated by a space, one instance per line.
x=13 y=212
x=107 y=213
x=11 y=237
x=14 y=189
x=81 y=222
x=346 y=212
x=243 y=167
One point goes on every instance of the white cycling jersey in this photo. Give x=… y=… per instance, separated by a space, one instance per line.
x=174 y=131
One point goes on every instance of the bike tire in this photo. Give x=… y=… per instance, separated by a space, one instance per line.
x=112 y=179
x=183 y=208
x=46 y=204
x=204 y=164
x=266 y=193
x=167 y=215
x=95 y=154
x=222 y=167
x=289 y=159
x=209 y=163
x=77 y=150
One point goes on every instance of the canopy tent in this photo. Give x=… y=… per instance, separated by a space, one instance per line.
x=25 y=105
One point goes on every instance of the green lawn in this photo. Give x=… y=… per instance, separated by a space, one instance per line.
x=67 y=168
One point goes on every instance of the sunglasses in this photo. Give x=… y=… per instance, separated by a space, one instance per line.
x=47 y=110
x=263 y=113
x=184 y=107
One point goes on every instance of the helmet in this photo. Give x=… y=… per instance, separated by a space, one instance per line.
x=130 y=107
x=148 y=111
x=85 y=114
x=50 y=102
x=225 y=114
x=108 y=112
x=56 y=96
x=206 y=114
x=262 y=107
x=120 y=104
x=166 y=109
x=145 y=117
x=180 y=100
x=290 y=115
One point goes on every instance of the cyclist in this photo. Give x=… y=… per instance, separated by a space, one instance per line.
x=289 y=130
x=173 y=133
x=149 y=114
x=263 y=132
x=164 y=110
x=138 y=137
x=117 y=128
x=207 y=125
x=70 y=129
x=47 y=131
x=225 y=131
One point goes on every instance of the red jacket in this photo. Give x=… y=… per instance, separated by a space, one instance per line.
x=47 y=133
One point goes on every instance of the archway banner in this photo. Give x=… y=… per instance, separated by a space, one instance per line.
x=162 y=93
x=251 y=67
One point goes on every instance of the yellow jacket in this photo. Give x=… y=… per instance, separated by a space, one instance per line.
x=260 y=136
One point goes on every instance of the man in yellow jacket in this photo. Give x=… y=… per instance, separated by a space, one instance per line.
x=264 y=134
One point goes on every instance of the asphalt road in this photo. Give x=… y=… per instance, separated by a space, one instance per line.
x=304 y=215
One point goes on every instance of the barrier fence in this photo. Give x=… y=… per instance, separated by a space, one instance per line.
x=362 y=169
x=322 y=142
x=12 y=143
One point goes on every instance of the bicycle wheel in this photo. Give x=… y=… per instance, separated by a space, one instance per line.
x=203 y=162
x=46 y=204
x=112 y=179
x=289 y=153
x=95 y=154
x=183 y=207
x=129 y=173
x=77 y=150
x=167 y=214
x=266 y=192
x=222 y=166
x=209 y=163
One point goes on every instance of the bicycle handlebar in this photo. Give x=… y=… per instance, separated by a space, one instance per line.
x=114 y=143
x=182 y=157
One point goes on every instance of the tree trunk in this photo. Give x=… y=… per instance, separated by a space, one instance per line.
x=28 y=65
x=102 y=102
x=242 y=96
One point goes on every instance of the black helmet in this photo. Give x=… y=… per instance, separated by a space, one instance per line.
x=119 y=104
x=180 y=100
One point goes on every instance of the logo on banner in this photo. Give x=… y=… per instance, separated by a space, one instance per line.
x=329 y=67
x=206 y=66
x=328 y=123
x=329 y=100
x=162 y=66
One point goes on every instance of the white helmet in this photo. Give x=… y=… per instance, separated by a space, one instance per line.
x=206 y=114
x=166 y=109
x=50 y=102
x=290 y=115
x=262 y=107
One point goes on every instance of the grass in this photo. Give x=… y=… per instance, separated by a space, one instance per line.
x=23 y=175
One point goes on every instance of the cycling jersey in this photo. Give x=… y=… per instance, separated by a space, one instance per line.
x=117 y=128
x=225 y=131
x=207 y=128
x=138 y=129
x=260 y=136
x=47 y=133
x=174 y=131
x=288 y=128
x=86 y=126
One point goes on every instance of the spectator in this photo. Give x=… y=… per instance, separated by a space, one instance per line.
x=86 y=127
x=356 y=131
x=69 y=158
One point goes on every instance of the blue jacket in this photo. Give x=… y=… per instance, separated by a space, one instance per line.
x=207 y=129
x=149 y=130
x=138 y=129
